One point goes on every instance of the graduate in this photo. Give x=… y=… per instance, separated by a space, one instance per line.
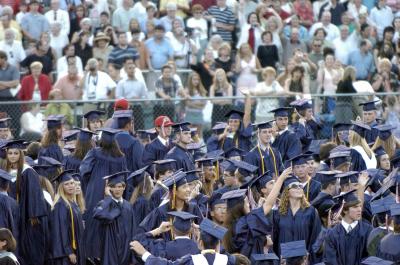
x=247 y=230
x=386 y=139
x=239 y=130
x=340 y=133
x=196 y=197
x=295 y=219
x=116 y=218
x=218 y=208
x=129 y=145
x=208 y=175
x=340 y=158
x=235 y=153
x=33 y=213
x=383 y=160
x=5 y=132
x=160 y=146
x=264 y=156
x=163 y=169
x=348 y=181
x=107 y=159
x=84 y=144
x=210 y=237
x=184 y=160
x=79 y=196
x=48 y=167
x=93 y=120
x=362 y=157
x=310 y=186
x=146 y=136
x=264 y=259
x=69 y=139
x=8 y=206
x=389 y=245
x=286 y=142
x=346 y=242
x=182 y=245
x=66 y=224
x=179 y=195
x=234 y=174
x=49 y=144
x=217 y=130
x=380 y=209
x=139 y=199
x=294 y=253
x=369 y=118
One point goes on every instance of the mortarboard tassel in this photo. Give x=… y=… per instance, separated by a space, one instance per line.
x=73 y=229
x=397 y=194
x=173 y=197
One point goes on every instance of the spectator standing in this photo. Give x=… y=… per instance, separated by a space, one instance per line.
x=199 y=29
x=122 y=16
x=205 y=68
x=35 y=86
x=344 y=111
x=13 y=48
x=68 y=58
x=295 y=24
x=76 y=19
x=304 y=11
x=150 y=18
x=225 y=60
x=59 y=108
x=6 y=24
x=160 y=49
x=356 y=8
x=102 y=48
x=183 y=47
x=296 y=85
x=247 y=66
x=382 y=16
x=220 y=88
x=384 y=80
x=68 y=84
x=182 y=7
x=331 y=31
x=122 y=50
x=363 y=61
x=32 y=123
x=140 y=47
x=267 y=52
x=56 y=14
x=33 y=24
x=82 y=48
x=41 y=55
x=222 y=20
x=171 y=16
x=290 y=45
x=139 y=9
x=9 y=79
x=130 y=87
x=336 y=9
x=58 y=39
x=344 y=45
x=251 y=32
x=95 y=8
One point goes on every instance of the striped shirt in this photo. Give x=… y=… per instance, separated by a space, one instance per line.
x=118 y=55
x=224 y=16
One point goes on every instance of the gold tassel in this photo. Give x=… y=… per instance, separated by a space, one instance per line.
x=173 y=197
x=73 y=228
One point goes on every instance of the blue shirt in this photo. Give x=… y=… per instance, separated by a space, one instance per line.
x=159 y=52
x=35 y=24
x=364 y=63
x=64 y=4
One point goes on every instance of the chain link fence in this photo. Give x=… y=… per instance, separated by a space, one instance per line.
x=328 y=110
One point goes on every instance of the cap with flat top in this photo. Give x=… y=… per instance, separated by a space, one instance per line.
x=70 y=135
x=259 y=258
x=219 y=127
x=4 y=123
x=210 y=228
x=5 y=176
x=348 y=177
x=85 y=135
x=244 y=167
x=54 y=121
x=293 y=249
x=348 y=198
x=234 y=152
x=116 y=178
x=15 y=144
x=137 y=176
x=369 y=105
x=93 y=115
x=372 y=260
x=338 y=127
x=326 y=177
x=385 y=131
x=360 y=128
x=192 y=175
x=165 y=164
x=108 y=134
x=234 y=114
x=177 y=179
x=263 y=125
x=299 y=160
x=181 y=127
x=281 y=112
x=182 y=220
x=64 y=176
x=205 y=162
x=234 y=197
x=301 y=104
x=215 y=199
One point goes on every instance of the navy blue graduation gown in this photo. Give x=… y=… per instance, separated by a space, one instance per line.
x=303 y=133
x=72 y=163
x=154 y=151
x=367 y=212
x=171 y=250
x=322 y=201
x=312 y=189
x=374 y=239
x=186 y=260
x=159 y=215
x=212 y=143
x=141 y=209
x=184 y=159
x=387 y=251
x=116 y=231
x=53 y=151
x=94 y=167
x=66 y=225
x=133 y=151
x=318 y=246
x=371 y=135
x=33 y=239
x=8 y=216
x=202 y=201
x=304 y=225
x=156 y=197
x=241 y=140
x=288 y=145
x=251 y=231
x=357 y=161
x=271 y=158
x=342 y=248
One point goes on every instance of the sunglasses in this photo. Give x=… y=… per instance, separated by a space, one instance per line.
x=295 y=185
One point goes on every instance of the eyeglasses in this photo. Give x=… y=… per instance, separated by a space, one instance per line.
x=295 y=185
x=220 y=209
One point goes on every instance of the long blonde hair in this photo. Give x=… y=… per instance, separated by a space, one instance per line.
x=356 y=140
x=390 y=145
x=62 y=196
x=200 y=88
x=284 y=204
x=225 y=82
x=144 y=188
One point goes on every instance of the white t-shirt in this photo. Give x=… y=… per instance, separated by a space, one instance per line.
x=264 y=105
x=97 y=87
x=199 y=26
x=31 y=123
x=58 y=43
x=61 y=16
x=62 y=66
x=15 y=52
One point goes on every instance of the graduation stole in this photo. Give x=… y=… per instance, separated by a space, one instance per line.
x=308 y=189
x=262 y=160
x=73 y=228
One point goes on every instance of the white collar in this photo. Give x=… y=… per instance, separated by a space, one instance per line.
x=182 y=237
x=263 y=147
x=117 y=201
x=162 y=140
x=346 y=225
x=283 y=131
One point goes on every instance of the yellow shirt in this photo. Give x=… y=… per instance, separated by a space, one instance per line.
x=179 y=12
x=17 y=29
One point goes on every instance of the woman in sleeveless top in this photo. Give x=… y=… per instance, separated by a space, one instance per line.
x=247 y=66
x=220 y=88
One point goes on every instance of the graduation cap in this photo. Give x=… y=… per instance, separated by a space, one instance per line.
x=234 y=152
x=216 y=199
x=194 y=146
x=348 y=177
x=315 y=146
x=234 y=197
x=70 y=147
x=340 y=148
x=339 y=158
x=347 y=198
x=77 y=177
x=395 y=209
x=263 y=125
x=369 y=105
x=219 y=127
x=64 y=176
x=382 y=205
x=70 y=135
x=192 y=175
x=261 y=258
x=182 y=221
x=360 y=128
x=164 y=165
x=16 y=144
x=244 y=168
x=176 y=180
x=380 y=151
x=326 y=177
x=338 y=127
x=290 y=183
x=212 y=229
x=385 y=131
x=116 y=178
x=293 y=249
x=93 y=115
x=205 y=162
x=301 y=104
x=299 y=160
x=372 y=260
x=54 y=121
x=4 y=123
x=137 y=176
x=395 y=158
x=181 y=127
x=281 y=112
x=234 y=114
x=122 y=117
x=215 y=154
x=149 y=134
x=260 y=181
x=376 y=178
x=84 y=134
x=5 y=176
x=49 y=161
x=108 y=134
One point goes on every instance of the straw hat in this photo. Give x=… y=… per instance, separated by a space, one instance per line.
x=101 y=36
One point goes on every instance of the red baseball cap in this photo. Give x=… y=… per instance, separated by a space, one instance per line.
x=163 y=121
x=121 y=104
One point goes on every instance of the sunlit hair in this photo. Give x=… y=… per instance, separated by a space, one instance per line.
x=390 y=145
x=144 y=189
x=241 y=53
x=6 y=165
x=356 y=140
x=285 y=202
x=82 y=148
x=62 y=196
x=208 y=184
x=50 y=137
x=225 y=82
x=233 y=214
x=200 y=88
x=80 y=199
x=45 y=184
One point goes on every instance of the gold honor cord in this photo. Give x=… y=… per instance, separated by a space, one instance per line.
x=308 y=189
x=73 y=228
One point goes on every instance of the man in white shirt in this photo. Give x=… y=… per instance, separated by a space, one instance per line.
x=331 y=30
x=58 y=15
x=63 y=62
x=344 y=44
x=130 y=88
x=13 y=48
x=96 y=85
